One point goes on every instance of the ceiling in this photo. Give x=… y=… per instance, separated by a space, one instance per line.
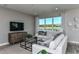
x=40 y=9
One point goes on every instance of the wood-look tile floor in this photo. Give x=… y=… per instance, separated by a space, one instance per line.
x=13 y=49
x=72 y=48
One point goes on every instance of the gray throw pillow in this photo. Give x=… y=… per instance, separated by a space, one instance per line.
x=44 y=33
x=47 y=45
x=57 y=35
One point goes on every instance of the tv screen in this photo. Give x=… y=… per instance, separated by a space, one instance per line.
x=16 y=26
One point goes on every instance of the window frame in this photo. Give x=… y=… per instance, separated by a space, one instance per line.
x=52 y=23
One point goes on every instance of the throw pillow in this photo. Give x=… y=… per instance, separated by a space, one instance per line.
x=57 y=35
x=44 y=33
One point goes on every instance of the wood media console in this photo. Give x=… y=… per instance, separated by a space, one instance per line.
x=16 y=37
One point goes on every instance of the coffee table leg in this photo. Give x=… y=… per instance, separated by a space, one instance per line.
x=25 y=44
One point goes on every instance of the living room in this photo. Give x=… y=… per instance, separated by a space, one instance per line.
x=34 y=18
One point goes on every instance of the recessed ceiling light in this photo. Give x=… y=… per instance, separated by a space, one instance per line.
x=56 y=8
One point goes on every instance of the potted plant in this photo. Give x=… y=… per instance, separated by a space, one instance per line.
x=42 y=52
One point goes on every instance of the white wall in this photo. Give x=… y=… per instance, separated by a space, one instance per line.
x=7 y=15
x=68 y=16
x=49 y=15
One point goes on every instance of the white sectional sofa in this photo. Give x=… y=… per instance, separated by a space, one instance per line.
x=48 y=37
x=57 y=46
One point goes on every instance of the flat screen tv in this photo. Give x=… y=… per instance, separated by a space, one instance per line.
x=16 y=26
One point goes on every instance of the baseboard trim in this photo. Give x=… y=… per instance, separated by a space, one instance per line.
x=74 y=42
x=7 y=43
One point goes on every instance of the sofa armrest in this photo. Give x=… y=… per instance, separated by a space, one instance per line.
x=36 y=48
x=62 y=46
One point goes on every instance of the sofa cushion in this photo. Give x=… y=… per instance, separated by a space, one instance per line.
x=46 y=43
x=55 y=36
x=56 y=42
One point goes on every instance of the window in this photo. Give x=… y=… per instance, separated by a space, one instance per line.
x=50 y=23
x=57 y=22
x=41 y=24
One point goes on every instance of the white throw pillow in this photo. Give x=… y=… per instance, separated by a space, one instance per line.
x=56 y=42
